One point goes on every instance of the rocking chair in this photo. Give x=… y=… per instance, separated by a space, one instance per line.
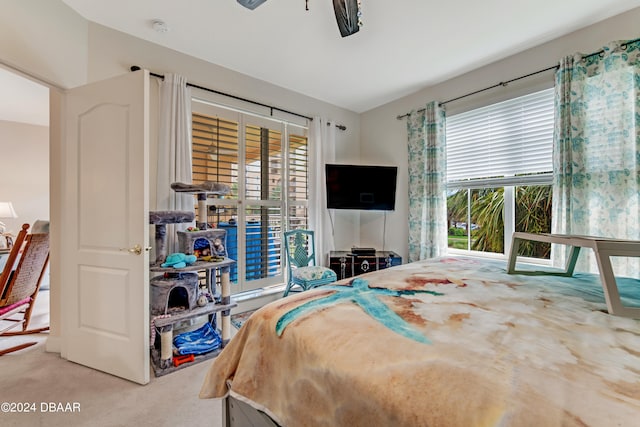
x=19 y=287
x=301 y=262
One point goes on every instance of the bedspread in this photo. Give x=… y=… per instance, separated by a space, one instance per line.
x=447 y=342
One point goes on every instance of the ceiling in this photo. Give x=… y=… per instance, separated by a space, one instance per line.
x=403 y=46
x=23 y=100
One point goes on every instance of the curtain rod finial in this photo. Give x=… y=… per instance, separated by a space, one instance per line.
x=134 y=68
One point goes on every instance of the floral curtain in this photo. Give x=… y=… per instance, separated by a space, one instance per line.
x=597 y=150
x=427 y=183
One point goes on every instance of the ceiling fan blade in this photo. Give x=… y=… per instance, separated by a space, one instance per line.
x=346 y=16
x=251 y=4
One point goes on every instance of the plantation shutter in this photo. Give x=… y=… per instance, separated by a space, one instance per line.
x=265 y=162
x=215 y=151
x=507 y=143
x=298 y=181
x=263 y=197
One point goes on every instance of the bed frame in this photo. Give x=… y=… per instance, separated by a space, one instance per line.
x=236 y=413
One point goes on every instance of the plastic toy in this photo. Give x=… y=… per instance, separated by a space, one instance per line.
x=179 y=260
x=179 y=360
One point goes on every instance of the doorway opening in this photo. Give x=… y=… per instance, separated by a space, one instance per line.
x=24 y=148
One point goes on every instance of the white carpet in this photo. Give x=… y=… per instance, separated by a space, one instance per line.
x=35 y=376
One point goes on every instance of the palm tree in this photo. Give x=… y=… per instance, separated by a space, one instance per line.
x=533 y=214
x=487 y=213
x=457 y=207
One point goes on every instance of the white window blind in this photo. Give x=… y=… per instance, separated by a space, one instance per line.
x=497 y=144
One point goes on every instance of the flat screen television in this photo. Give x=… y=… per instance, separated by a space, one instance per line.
x=361 y=187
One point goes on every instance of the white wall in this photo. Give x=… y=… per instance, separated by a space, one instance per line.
x=24 y=172
x=383 y=136
x=112 y=52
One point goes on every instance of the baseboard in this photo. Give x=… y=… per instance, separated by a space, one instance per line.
x=53 y=344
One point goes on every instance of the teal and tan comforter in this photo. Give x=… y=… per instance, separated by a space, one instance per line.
x=445 y=342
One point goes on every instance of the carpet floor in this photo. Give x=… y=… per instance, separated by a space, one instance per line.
x=33 y=379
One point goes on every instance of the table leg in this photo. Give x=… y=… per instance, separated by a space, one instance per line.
x=225 y=315
x=610 y=287
x=513 y=255
x=574 y=251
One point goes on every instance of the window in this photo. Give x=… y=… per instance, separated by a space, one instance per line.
x=265 y=162
x=499 y=174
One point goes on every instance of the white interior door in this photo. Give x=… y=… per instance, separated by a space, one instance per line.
x=105 y=286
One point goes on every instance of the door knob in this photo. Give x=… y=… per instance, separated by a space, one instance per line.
x=137 y=249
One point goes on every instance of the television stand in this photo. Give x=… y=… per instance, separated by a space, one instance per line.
x=363 y=251
x=349 y=264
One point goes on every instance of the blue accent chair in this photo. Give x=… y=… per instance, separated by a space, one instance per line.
x=301 y=262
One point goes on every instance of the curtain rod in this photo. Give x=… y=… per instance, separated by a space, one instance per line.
x=270 y=107
x=485 y=89
x=599 y=52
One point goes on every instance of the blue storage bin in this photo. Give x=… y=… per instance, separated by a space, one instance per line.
x=253 y=260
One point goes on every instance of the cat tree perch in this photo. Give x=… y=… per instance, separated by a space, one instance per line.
x=202 y=190
x=163 y=287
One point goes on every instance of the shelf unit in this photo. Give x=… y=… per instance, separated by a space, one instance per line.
x=162 y=352
x=162 y=348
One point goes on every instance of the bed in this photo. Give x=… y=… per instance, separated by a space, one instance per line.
x=452 y=341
